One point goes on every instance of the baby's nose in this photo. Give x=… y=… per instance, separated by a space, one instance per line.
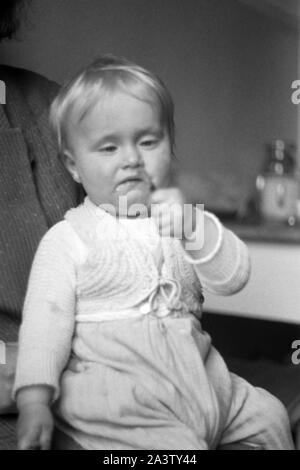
x=133 y=156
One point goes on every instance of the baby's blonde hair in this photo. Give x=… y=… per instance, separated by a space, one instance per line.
x=108 y=74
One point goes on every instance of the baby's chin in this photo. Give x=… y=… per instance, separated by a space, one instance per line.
x=134 y=200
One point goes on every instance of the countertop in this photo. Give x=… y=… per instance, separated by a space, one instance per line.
x=257 y=230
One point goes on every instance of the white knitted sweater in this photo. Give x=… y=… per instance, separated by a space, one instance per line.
x=93 y=267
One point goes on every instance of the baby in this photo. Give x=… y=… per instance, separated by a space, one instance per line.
x=121 y=290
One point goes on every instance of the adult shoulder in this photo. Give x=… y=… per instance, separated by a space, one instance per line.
x=36 y=89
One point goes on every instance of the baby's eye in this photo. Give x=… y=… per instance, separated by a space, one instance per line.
x=149 y=142
x=108 y=149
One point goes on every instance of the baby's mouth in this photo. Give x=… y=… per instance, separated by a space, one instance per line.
x=136 y=190
x=133 y=182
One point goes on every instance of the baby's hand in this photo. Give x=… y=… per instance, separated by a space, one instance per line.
x=35 y=427
x=167 y=208
x=297 y=436
x=296 y=432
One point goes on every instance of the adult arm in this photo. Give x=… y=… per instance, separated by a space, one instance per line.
x=7 y=377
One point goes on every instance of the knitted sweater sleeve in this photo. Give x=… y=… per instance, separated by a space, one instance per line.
x=49 y=312
x=226 y=270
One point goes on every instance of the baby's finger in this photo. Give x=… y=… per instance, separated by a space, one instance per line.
x=169 y=195
x=158 y=210
x=164 y=225
x=161 y=216
x=158 y=196
x=45 y=441
x=28 y=442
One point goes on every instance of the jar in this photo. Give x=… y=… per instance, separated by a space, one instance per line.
x=277 y=186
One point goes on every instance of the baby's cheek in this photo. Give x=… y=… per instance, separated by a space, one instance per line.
x=158 y=167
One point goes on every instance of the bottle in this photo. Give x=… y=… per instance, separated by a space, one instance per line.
x=277 y=186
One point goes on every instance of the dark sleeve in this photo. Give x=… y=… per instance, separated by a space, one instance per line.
x=37 y=90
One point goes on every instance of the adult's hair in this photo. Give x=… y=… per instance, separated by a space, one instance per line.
x=10 y=17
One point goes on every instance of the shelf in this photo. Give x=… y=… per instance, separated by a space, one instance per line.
x=265 y=232
x=272 y=292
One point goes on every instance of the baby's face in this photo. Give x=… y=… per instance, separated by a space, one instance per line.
x=120 y=148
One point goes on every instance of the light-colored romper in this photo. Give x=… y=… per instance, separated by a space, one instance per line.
x=148 y=376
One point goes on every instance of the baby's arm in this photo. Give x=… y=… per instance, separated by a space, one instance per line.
x=45 y=334
x=35 y=422
x=294 y=414
x=221 y=260
x=297 y=435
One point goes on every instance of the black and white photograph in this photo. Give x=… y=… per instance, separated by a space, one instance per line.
x=149 y=227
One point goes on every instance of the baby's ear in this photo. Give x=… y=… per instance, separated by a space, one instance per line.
x=69 y=162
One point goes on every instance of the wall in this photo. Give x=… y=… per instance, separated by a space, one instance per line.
x=298 y=107
x=228 y=67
